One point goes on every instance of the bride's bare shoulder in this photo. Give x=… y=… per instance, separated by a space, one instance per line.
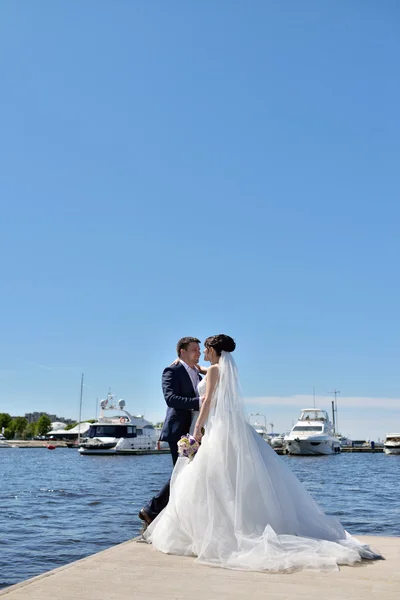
x=213 y=371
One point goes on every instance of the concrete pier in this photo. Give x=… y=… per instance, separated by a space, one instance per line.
x=63 y=444
x=135 y=571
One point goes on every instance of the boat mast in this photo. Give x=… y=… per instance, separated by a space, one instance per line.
x=80 y=411
x=335 y=393
x=333 y=416
x=313 y=391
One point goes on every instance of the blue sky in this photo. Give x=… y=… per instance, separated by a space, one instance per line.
x=180 y=168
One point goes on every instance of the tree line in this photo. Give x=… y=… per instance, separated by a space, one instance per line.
x=18 y=427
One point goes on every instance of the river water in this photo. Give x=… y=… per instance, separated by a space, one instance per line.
x=57 y=506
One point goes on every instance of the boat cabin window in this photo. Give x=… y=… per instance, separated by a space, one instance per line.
x=393 y=438
x=139 y=431
x=308 y=428
x=313 y=415
x=116 y=431
x=149 y=426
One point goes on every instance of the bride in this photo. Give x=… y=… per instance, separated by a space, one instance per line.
x=236 y=504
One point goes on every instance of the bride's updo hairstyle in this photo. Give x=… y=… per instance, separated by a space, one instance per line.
x=220 y=342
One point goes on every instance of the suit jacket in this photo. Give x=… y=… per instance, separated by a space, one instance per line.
x=181 y=400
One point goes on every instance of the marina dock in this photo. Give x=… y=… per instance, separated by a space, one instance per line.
x=35 y=443
x=134 y=570
x=363 y=449
x=63 y=444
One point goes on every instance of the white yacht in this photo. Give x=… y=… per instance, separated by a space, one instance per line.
x=3 y=442
x=392 y=443
x=344 y=441
x=260 y=425
x=118 y=434
x=313 y=434
x=278 y=441
x=160 y=445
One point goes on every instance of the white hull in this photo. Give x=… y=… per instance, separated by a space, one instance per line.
x=109 y=435
x=125 y=452
x=122 y=446
x=392 y=449
x=312 y=435
x=96 y=451
x=392 y=443
x=308 y=448
x=277 y=444
x=126 y=445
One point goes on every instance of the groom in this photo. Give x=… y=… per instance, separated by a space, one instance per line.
x=179 y=384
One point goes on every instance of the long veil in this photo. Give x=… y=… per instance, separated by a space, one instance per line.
x=238 y=505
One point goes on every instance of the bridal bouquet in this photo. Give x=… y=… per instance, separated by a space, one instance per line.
x=188 y=446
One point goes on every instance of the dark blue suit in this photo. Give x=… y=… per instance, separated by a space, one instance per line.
x=181 y=399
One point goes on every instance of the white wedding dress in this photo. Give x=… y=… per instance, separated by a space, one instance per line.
x=237 y=505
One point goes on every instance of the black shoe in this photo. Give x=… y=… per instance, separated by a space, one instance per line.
x=144 y=516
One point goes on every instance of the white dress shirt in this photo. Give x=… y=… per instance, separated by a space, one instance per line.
x=194 y=376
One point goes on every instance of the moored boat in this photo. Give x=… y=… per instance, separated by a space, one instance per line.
x=313 y=434
x=392 y=443
x=3 y=443
x=259 y=424
x=278 y=441
x=118 y=434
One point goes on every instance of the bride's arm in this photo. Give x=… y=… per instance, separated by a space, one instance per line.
x=212 y=378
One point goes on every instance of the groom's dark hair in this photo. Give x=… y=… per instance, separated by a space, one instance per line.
x=183 y=344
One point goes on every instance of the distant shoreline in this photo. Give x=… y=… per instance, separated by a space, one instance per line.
x=35 y=443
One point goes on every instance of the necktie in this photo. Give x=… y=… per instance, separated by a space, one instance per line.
x=194 y=377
